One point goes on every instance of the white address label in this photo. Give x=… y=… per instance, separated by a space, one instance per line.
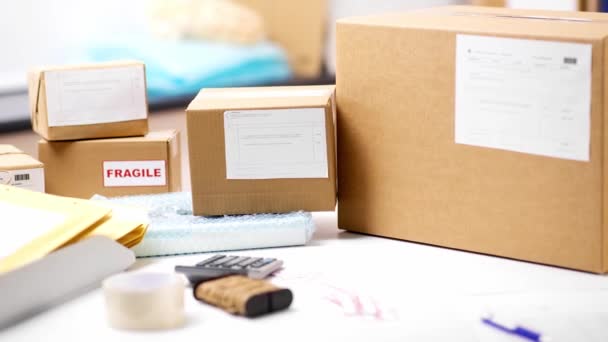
x=95 y=96
x=275 y=143
x=524 y=95
x=134 y=173
x=30 y=179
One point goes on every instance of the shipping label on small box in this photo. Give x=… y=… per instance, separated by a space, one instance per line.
x=30 y=179
x=275 y=143
x=20 y=170
x=100 y=100
x=95 y=96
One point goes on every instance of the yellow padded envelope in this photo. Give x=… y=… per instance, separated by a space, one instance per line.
x=35 y=224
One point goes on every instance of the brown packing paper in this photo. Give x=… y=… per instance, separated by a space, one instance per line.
x=39 y=116
x=214 y=194
x=403 y=176
x=76 y=168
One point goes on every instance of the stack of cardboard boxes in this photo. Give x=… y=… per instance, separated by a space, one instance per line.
x=94 y=121
x=475 y=128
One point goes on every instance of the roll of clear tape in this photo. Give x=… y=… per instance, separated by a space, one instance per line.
x=145 y=301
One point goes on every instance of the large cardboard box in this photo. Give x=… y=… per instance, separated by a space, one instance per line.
x=113 y=167
x=477 y=128
x=298 y=26
x=20 y=170
x=262 y=150
x=90 y=101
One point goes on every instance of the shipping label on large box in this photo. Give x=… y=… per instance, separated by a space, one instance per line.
x=523 y=95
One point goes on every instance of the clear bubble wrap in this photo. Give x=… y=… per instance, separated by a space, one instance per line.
x=174 y=230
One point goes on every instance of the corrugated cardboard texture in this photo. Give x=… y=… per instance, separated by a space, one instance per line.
x=401 y=174
x=213 y=194
x=298 y=26
x=39 y=118
x=75 y=168
x=12 y=158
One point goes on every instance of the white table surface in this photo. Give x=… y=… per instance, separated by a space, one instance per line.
x=366 y=289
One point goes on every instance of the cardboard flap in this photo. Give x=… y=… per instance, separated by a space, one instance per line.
x=34 y=82
x=531 y=17
x=9 y=149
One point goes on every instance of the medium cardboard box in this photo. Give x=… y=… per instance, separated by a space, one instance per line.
x=298 y=26
x=477 y=128
x=113 y=167
x=262 y=150
x=90 y=101
x=20 y=170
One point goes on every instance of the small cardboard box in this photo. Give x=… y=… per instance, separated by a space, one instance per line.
x=101 y=100
x=113 y=167
x=299 y=27
x=477 y=128
x=262 y=150
x=20 y=170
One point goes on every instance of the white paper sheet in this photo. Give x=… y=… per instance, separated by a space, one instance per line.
x=93 y=96
x=21 y=225
x=523 y=95
x=276 y=143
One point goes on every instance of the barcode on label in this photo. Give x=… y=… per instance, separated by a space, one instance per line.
x=22 y=177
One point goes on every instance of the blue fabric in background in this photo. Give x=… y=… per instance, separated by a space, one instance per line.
x=181 y=68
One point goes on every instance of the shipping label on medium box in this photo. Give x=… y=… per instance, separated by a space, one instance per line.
x=30 y=179
x=524 y=95
x=134 y=173
x=95 y=96
x=275 y=143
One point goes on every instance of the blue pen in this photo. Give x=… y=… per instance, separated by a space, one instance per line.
x=516 y=331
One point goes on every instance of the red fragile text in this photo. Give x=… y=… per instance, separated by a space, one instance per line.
x=133 y=173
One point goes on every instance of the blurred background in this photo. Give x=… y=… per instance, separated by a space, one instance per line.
x=191 y=44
